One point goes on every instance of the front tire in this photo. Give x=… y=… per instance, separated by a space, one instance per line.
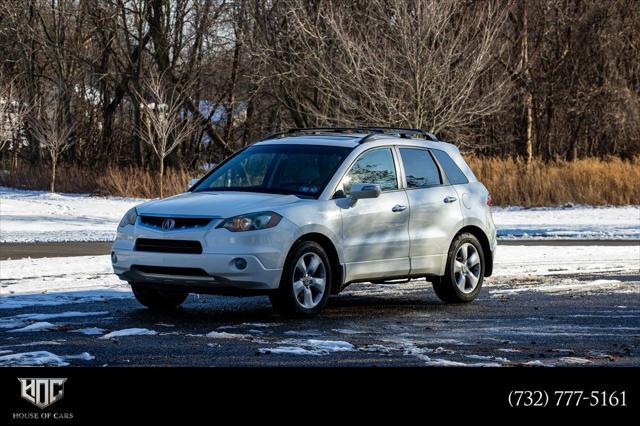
x=158 y=300
x=464 y=272
x=306 y=282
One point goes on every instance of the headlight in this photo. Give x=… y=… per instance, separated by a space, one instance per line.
x=251 y=222
x=129 y=218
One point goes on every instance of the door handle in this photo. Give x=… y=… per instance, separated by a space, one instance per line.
x=450 y=199
x=398 y=208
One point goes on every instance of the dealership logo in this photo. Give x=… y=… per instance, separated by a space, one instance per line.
x=168 y=224
x=42 y=392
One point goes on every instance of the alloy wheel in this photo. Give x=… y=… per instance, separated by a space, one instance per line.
x=309 y=280
x=467 y=268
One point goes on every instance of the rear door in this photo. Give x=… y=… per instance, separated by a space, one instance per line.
x=435 y=210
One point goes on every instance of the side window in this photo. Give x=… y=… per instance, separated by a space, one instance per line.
x=419 y=168
x=373 y=167
x=454 y=174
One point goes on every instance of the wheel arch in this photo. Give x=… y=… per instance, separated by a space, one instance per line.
x=484 y=242
x=330 y=248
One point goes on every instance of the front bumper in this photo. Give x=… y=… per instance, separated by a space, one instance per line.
x=264 y=252
x=221 y=271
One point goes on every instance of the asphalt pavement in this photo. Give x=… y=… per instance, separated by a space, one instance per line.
x=532 y=321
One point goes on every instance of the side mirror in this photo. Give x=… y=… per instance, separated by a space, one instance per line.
x=364 y=190
x=192 y=182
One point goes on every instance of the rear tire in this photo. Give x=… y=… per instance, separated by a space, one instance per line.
x=464 y=271
x=306 y=282
x=158 y=300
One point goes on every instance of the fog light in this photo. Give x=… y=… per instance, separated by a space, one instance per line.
x=114 y=258
x=240 y=263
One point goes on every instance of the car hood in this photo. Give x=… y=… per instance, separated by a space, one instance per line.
x=215 y=204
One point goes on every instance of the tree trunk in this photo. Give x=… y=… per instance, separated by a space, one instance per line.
x=162 y=177
x=529 y=106
x=528 y=95
x=54 y=162
x=232 y=84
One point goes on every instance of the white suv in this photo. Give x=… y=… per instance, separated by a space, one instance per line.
x=302 y=214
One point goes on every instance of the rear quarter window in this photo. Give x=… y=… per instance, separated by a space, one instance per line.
x=451 y=169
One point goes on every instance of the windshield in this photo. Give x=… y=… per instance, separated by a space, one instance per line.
x=302 y=170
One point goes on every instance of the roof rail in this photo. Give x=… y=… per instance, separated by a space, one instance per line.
x=402 y=132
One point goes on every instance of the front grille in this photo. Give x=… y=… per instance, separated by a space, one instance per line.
x=166 y=270
x=181 y=223
x=168 y=246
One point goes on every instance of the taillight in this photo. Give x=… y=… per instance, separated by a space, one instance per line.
x=489 y=200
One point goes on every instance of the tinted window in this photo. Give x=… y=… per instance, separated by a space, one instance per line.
x=281 y=169
x=373 y=167
x=454 y=174
x=419 y=168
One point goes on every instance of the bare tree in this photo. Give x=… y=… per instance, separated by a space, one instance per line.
x=13 y=112
x=394 y=62
x=165 y=122
x=555 y=79
x=54 y=133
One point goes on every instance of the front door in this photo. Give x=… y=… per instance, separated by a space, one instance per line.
x=375 y=231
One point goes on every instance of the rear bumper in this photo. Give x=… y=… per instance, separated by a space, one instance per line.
x=220 y=270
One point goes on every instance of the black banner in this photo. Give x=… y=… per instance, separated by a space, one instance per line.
x=87 y=396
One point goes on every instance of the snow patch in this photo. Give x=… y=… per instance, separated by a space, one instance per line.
x=56 y=342
x=575 y=222
x=225 y=335
x=486 y=357
x=449 y=363
x=544 y=260
x=310 y=347
x=330 y=345
x=36 y=326
x=129 y=332
x=90 y=331
x=39 y=216
x=22 y=319
x=303 y=333
x=572 y=360
x=42 y=358
x=58 y=281
x=567 y=286
x=346 y=331
x=290 y=350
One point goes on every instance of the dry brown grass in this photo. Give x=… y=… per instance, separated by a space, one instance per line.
x=589 y=181
x=511 y=182
x=124 y=182
x=143 y=183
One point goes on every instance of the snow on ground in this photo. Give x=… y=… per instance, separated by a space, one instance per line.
x=41 y=358
x=556 y=260
x=309 y=347
x=225 y=335
x=90 y=331
x=572 y=286
x=21 y=320
x=575 y=222
x=60 y=280
x=56 y=281
x=36 y=326
x=38 y=216
x=129 y=332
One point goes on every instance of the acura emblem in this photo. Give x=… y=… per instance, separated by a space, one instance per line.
x=168 y=224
